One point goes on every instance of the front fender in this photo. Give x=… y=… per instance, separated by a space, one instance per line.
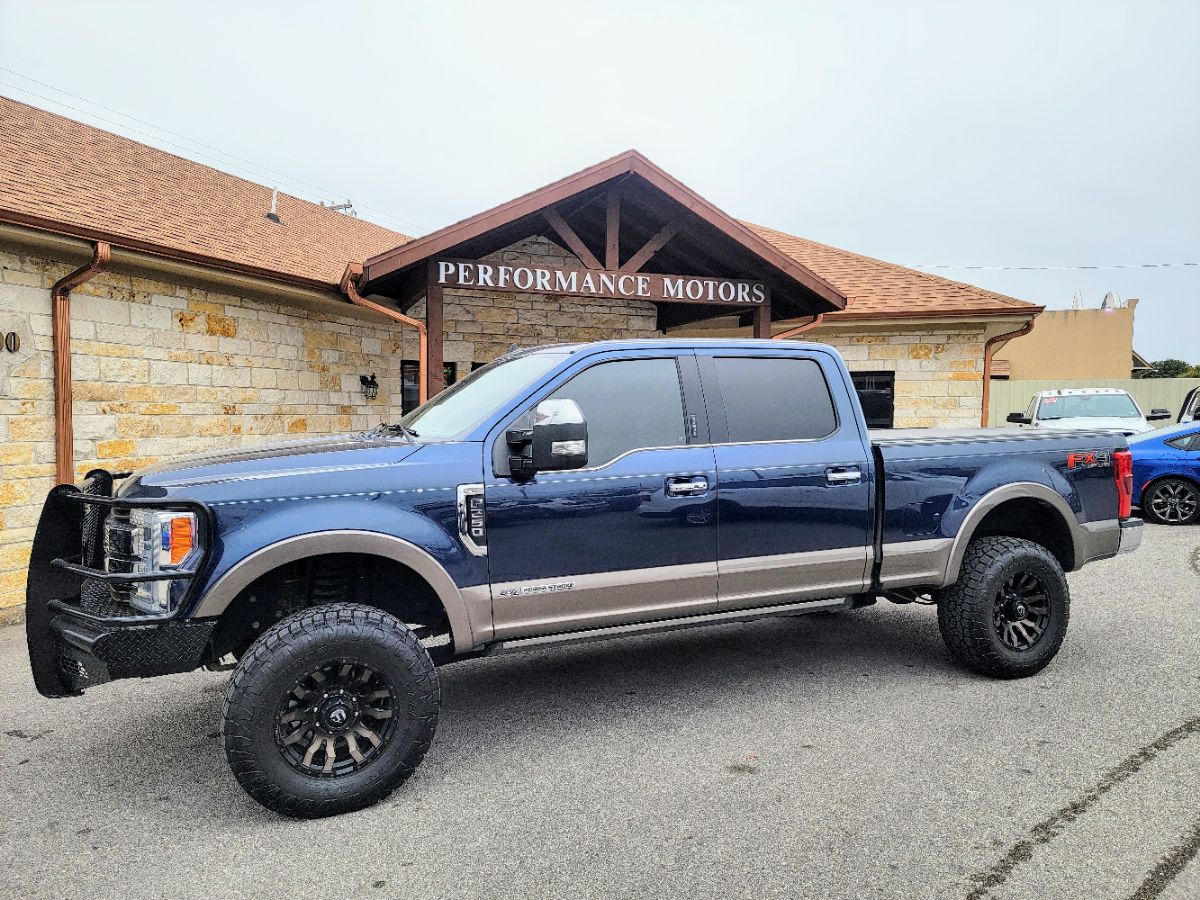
x=254 y=542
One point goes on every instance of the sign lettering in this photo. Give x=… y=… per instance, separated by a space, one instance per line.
x=474 y=275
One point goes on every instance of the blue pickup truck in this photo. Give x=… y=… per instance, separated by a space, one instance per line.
x=558 y=495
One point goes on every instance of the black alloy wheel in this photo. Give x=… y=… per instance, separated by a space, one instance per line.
x=336 y=719
x=1172 y=501
x=1022 y=611
x=330 y=710
x=1006 y=616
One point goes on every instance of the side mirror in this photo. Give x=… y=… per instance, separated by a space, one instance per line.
x=1019 y=419
x=550 y=438
x=1157 y=414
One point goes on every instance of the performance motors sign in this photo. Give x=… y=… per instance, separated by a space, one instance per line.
x=599 y=283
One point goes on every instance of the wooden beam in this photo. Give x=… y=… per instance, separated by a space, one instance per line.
x=651 y=247
x=762 y=321
x=612 y=232
x=434 y=328
x=570 y=238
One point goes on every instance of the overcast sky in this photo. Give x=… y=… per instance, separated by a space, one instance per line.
x=995 y=134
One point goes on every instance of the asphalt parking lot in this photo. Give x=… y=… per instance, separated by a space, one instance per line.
x=825 y=756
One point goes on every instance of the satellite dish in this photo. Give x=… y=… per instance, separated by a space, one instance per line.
x=1112 y=301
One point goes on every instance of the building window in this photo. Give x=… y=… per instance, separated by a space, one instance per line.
x=877 y=394
x=410 y=387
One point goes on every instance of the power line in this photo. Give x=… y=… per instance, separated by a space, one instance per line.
x=1164 y=265
x=253 y=166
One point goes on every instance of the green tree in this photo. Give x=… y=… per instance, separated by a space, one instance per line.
x=1170 y=368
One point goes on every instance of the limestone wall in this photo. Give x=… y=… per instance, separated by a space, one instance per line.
x=939 y=372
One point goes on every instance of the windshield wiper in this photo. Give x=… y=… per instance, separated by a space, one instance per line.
x=385 y=429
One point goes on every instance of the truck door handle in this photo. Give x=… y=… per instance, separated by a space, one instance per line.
x=687 y=487
x=843 y=475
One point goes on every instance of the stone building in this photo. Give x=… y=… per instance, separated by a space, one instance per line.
x=195 y=310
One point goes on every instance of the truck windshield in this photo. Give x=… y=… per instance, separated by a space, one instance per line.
x=458 y=409
x=1088 y=406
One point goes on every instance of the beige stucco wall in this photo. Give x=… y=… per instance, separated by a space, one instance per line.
x=1074 y=344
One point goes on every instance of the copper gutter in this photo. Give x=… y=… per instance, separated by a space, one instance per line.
x=81 y=232
x=349 y=286
x=800 y=329
x=987 y=365
x=64 y=419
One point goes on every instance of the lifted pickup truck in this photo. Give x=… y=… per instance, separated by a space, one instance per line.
x=557 y=495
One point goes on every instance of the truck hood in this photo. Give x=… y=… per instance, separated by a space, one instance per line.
x=1097 y=423
x=311 y=456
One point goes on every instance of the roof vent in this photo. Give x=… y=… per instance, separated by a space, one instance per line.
x=273 y=215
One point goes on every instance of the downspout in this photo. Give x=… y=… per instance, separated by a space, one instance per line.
x=64 y=420
x=800 y=329
x=349 y=285
x=988 y=349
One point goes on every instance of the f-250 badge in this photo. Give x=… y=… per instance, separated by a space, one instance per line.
x=1087 y=459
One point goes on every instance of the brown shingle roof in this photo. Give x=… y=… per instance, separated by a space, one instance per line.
x=55 y=171
x=875 y=289
x=62 y=171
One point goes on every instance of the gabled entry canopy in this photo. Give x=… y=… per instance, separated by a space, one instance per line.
x=623 y=216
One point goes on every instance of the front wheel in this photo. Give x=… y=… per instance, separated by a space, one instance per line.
x=330 y=711
x=1006 y=616
x=1171 y=501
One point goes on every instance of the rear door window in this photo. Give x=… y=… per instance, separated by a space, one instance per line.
x=775 y=399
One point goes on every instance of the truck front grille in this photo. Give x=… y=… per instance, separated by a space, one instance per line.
x=118 y=550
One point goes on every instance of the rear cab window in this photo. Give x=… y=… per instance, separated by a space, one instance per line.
x=775 y=399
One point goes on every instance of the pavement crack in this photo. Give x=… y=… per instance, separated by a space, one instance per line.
x=1169 y=866
x=1050 y=827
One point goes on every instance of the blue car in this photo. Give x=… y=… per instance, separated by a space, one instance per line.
x=1166 y=474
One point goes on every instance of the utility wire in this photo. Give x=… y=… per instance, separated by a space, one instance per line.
x=253 y=166
x=1163 y=265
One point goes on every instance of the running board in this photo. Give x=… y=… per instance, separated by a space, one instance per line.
x=659 y=626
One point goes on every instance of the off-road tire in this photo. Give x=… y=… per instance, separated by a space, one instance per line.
x=967 y=609
x=1173 y=517
x=303 y=642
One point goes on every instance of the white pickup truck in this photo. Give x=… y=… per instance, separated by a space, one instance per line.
x=1087 y=409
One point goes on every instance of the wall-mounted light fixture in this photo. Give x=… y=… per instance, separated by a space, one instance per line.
x=370 y=387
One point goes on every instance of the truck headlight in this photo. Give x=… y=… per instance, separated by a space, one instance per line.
x=159 y=541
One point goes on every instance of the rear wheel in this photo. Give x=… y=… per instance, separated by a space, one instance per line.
x=330 y=710
x=1172 y=501
x=1007 y=614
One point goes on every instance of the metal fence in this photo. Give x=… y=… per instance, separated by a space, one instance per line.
x=1165 y=393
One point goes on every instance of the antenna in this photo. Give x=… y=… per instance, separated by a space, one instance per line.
x=1112 y=300
x=1077 y=299
x=347 y=207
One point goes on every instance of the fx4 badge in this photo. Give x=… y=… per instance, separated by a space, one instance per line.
x=1087 y=459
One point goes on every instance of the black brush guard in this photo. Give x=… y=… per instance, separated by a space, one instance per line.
x=79 y=634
